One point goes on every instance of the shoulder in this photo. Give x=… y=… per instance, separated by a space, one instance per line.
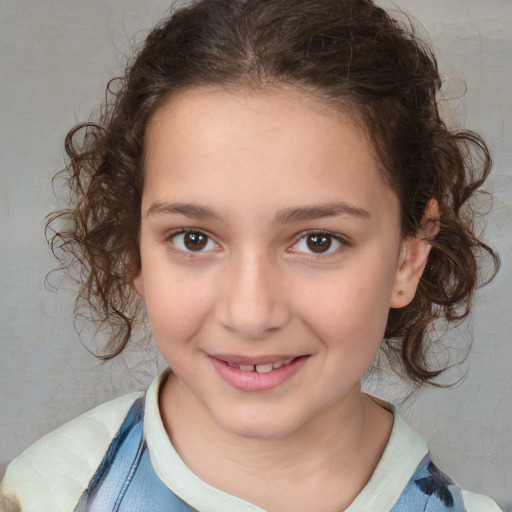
x=431 y=490
x=406 y=480
x=54 y=472
x=479 y=503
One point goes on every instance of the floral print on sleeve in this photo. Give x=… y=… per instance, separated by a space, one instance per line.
x=430 y=490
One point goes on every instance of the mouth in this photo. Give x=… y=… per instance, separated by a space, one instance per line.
x=262 y=368
x=257 y=373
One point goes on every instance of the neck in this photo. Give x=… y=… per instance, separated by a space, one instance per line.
x=328 y=460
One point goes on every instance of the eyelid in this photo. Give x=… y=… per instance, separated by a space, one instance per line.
x=170 y=235
x=343 y=241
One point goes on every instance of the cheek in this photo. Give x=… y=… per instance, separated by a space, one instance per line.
x=177 y=307
x=350 y=311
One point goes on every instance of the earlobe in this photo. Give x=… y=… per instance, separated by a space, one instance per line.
x=414 y=256
x=138 y=283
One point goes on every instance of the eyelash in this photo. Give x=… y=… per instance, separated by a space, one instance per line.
x=329 y=253
x=183 y=231
x=302 y=237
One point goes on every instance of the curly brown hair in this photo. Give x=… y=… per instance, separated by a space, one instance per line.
x=351 y=54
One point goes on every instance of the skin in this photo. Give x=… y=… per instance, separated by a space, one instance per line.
x=258 y=173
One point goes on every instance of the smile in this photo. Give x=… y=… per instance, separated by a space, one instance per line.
x=253 y=374
x=261 y=368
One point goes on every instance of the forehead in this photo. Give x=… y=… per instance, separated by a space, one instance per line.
x=284 y=143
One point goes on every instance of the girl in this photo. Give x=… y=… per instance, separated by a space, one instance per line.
x=273 y=182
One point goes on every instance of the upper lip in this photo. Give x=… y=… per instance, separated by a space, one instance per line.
x=255 y=360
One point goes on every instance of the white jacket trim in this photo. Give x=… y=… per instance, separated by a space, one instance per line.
x=479 y=503
x=52 y=474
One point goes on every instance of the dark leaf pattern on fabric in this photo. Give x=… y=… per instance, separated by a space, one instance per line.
x=437 y=484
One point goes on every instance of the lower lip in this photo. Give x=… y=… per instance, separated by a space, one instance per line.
x=254 y=381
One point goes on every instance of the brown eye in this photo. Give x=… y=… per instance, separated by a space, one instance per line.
x=319 y=243
x=193 y=241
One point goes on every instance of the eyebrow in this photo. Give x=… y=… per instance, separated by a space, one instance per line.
x=320 y=211
x=193 y=211
x=285 y=216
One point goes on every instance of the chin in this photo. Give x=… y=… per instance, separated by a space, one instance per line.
x=263 y=426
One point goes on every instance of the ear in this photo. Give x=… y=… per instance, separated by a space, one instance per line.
x=414 y=256
x=138 y=283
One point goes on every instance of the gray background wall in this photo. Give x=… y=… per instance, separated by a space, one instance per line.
x=55 y=57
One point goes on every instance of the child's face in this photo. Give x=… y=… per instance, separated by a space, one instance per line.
x=267 y=235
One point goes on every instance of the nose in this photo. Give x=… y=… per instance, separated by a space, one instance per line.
x=253 y=301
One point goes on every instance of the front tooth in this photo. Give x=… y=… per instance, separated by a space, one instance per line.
x=278 y=364
x=288 y=361
x=264 y=368
x=246 y=367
